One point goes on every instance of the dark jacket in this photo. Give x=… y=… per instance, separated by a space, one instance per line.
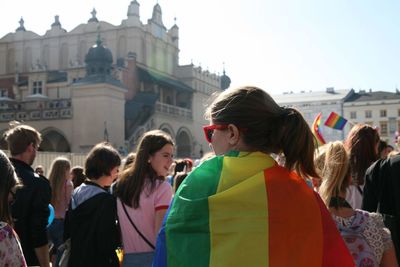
x=382 y=194
x=30 y=210
x=91 y=224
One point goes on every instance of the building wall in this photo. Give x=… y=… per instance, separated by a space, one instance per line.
x=311 y=108
x=388 y=124
x=98 y=112
x=61 y=50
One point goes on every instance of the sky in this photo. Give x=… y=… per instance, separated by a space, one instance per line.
x=277 y=45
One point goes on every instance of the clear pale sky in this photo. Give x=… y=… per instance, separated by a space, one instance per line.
x=278 y=45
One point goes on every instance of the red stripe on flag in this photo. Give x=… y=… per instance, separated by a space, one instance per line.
x=335 y=251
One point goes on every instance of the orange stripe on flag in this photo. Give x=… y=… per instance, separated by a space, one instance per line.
x=295 y=228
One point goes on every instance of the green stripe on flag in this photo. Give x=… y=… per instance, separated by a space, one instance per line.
x=190 y=214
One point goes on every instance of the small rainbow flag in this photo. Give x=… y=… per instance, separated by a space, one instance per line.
x=243 y=209
x=335 y=121
x=316 y=130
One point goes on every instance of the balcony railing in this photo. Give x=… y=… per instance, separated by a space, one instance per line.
x=36 y=110
x=174 y=110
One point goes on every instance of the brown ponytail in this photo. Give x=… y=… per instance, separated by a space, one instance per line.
x=297 y=142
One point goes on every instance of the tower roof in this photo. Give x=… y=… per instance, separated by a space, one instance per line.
x=225 y=81
x=99 y=53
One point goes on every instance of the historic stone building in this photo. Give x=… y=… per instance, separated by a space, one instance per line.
x=379 y=109
x=104 y=82
x=311 y=103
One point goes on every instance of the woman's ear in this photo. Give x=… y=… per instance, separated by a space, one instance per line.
x=234 y=134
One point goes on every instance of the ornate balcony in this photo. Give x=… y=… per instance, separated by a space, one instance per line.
x=174 y=111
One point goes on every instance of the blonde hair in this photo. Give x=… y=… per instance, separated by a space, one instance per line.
x=319 y=162
x=57 y=177
x=333 y=166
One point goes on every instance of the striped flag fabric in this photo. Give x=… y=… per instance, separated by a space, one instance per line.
x=335 y=121
x=243 y=209
x=315 y=128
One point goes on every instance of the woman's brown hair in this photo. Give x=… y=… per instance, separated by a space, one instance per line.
x=8 y=180
x=361 y=143
x=269 y=127
x=133 y=180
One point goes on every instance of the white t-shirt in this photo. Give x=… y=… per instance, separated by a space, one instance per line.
x=354 y=197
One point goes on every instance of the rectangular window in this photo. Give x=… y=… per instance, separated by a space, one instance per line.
x=383 y=113
x=398 y=113
x=384 y=128
x=3 y=92
x=37 y=87
x=368 y=114
x=353 y=115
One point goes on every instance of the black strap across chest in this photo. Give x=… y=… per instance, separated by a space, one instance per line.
x=339 y=202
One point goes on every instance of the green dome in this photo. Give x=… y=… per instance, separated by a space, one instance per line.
x=99 y=59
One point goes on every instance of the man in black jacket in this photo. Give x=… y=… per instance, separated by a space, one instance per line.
x=30 y=210
x=382 y=194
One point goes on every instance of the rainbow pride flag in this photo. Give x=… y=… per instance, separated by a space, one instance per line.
x=315 y=129
x=335 y=121
x=243 y=209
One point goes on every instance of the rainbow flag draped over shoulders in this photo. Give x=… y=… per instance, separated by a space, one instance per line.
x=315 y=129
x=335 y=121
x=242 y=209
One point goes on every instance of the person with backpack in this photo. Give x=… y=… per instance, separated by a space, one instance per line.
x=91 y=219
x=364 y=233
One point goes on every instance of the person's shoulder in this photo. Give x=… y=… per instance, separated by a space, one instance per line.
x=6 y=229
x=395 y=161
x=373 y=218
x=3 y=225
x=69 y=184
x=208 y=167
x=163 y=184
x=40 y=180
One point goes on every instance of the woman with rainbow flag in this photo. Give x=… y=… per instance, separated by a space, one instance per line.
x=241 y=208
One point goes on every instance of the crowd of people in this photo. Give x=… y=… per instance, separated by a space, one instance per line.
x=265 y=196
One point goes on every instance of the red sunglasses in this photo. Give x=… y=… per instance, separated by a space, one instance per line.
x=209 y=130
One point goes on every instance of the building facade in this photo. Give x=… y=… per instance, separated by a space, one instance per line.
x=310 y=104
x=104 y=82
x=379 y=109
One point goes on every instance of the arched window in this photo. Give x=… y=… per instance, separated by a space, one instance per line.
x=183 y=144
x=55 y=142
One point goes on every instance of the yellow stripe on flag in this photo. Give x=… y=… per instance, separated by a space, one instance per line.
x=239 y=224
x=237 y=169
